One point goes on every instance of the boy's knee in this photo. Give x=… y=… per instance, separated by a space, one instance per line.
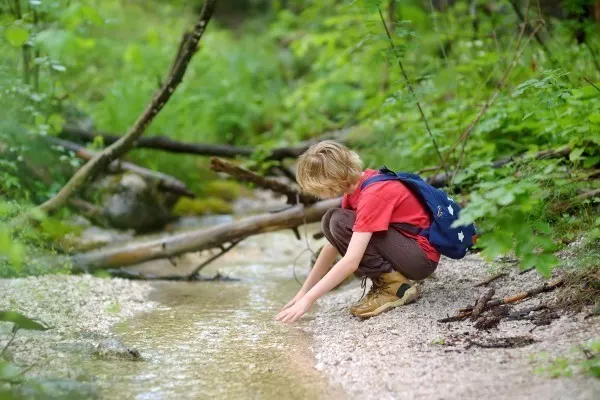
x=341 y=221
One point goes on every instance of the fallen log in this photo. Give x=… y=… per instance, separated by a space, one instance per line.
x=292 y=194
x=468 y=311
x=135 y=253
x=481 y=303
x=165 y=182
x=164 y=143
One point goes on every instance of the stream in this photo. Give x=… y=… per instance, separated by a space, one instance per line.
x=219 y=339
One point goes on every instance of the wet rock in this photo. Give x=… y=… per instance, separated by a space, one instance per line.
x=112 y=349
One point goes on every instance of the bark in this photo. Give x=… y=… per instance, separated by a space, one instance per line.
x=165 y=182
x=293 y=194
x=97 y=164
x=164 y=143
x=480 y=305
x=202 y=239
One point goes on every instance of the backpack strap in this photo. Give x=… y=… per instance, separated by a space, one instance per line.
x=384 y=176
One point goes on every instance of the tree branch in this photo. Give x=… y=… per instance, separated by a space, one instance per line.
x=219 y=165
x=120 y=147
x=166 y=182
x=164 y=143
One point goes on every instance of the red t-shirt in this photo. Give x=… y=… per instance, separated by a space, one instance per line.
x=383 y=203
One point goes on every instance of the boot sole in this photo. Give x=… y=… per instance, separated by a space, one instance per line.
x=409 y=297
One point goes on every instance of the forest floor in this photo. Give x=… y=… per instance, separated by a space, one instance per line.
x=406 y=353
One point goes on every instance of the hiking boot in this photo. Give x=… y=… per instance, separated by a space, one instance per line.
x=391 y=290
x=365 y=298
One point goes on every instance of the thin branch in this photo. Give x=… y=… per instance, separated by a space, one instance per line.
x=213 y=258
x=14 y=333
x=490 y=279
x=116 y=150
x=410 y=87
x=591 y=83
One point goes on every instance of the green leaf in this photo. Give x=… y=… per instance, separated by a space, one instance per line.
x=16 y=35
x=595 y=118
x=21 y=321
x=576 y=154
x=506 y=199
x=545 y=264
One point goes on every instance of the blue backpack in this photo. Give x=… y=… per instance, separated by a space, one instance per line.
x=451 y=242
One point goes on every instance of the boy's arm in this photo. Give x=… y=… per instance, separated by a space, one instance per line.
x=322 y=265
x=347 y=265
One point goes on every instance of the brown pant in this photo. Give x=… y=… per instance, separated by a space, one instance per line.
x=387 y=250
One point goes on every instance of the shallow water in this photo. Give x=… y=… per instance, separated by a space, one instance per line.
x=218 y=340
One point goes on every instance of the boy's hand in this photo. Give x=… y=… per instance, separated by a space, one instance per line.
x=293 y=301
x=298 y=309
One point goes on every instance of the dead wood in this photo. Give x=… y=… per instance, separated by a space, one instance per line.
x=481 y=302
x=487 y=322
x=166 y=183
x=202 y=239
x=187 y=49
x=565 y=205
x=467 y=311
x=292 y=194
x=502 y=342
x=140 y=276
x=164 y=143
x=490 y=279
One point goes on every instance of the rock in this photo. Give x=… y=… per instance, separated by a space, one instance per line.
x=52 y=389
x=112 y=349
x=129 y=202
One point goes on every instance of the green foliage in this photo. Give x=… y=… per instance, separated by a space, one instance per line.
x=584 y=359
x=209 y=205
x=20 y=321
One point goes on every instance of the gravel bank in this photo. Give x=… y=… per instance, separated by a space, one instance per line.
x=407 y=354
x=80 y=309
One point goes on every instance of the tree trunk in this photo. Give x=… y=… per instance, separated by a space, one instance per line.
x=202 y=239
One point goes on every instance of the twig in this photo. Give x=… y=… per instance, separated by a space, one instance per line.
x=490 y=279
x=220 y=165
x=481 y=303
x=213 y=258
x=546 y=287
x=591 y=83
x=410 y=87
x=14 y=333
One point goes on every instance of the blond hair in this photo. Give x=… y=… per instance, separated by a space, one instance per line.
x=328 y=169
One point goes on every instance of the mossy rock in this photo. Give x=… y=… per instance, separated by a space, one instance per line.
x=225 y=190
x=129 y=202
x=51 y=389
x=208 y=205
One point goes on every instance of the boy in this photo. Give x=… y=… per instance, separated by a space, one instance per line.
x=372 y=231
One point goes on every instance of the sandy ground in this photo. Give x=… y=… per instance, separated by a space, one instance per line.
x=407 y=354
x=80 y=309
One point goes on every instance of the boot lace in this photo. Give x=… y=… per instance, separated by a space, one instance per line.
x=376 y=287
